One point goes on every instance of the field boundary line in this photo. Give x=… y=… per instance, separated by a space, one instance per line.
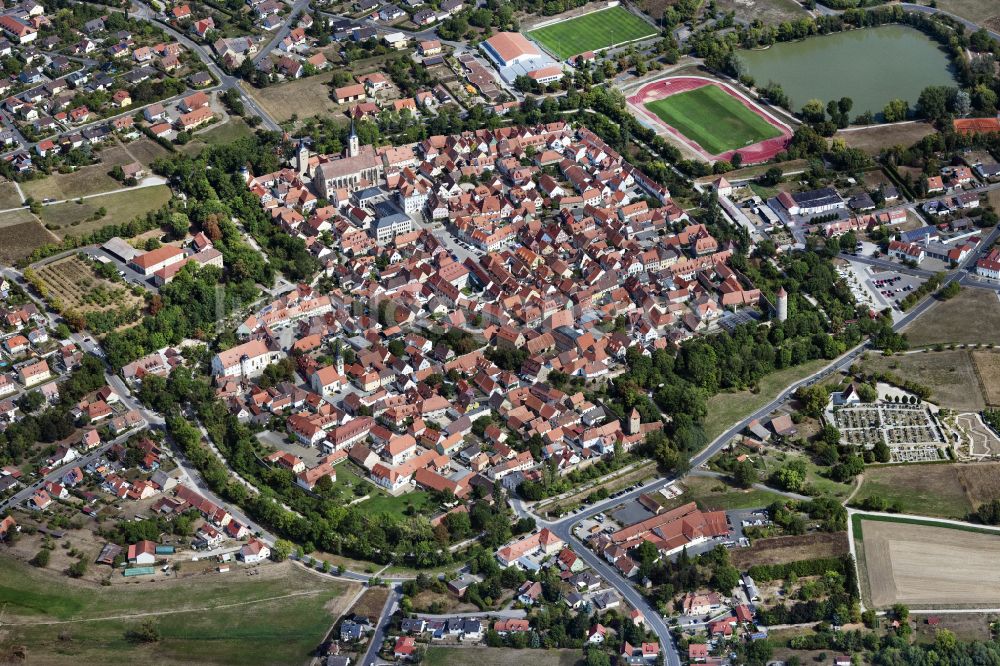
x=303 y=593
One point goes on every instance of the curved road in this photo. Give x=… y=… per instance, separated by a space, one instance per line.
x=564 y=527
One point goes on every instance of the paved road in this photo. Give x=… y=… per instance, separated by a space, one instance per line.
x=143 y=11
x=973 y=27
x=887 y=265
x=378 y=636
x=563 y=528
x=286 y=27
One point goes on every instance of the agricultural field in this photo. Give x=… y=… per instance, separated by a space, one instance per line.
x=987 y=364
x=950 y=375
x=311 y=95
x=75 y=285
x=713 y=118
x=930 y=490
x=876 y=138
x=441 y=656
x=915 y=564
x=79 y=219
x=937 y=325
x=276 y=617
x=784 y=549
x=9 y=198
x=22 y=233
x=592 y=32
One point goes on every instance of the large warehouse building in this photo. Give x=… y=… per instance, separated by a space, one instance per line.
x=515 y=55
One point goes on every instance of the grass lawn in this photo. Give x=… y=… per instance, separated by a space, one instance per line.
x=930 y=490
x=75 y=218
x=713 y=118
x=592 y=32
x=420 y=500
x=725 y=409
x=288 y=618
x=218 y=134
x=937 y=325
x=441 y=656
x=379 y=501
x=712 y=493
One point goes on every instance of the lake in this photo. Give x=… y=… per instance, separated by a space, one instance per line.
x=871 y=66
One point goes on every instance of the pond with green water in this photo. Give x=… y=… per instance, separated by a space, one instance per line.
x=871 y=66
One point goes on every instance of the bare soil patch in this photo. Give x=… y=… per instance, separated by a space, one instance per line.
x=780 y=550
x=938 y=324
x=876 y=138
x=930 y=566
x=371 y=603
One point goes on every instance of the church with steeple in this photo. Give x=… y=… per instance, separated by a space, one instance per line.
x=359 y=166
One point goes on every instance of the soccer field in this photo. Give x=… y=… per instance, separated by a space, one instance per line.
x=592 y=32
x=713 y=118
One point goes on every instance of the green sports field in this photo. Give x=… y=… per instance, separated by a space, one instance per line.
x=713 y=118
x=592 y=32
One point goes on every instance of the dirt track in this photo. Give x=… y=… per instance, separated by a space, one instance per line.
x=930 y=566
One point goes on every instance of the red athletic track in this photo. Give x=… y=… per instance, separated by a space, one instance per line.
x=753 y=154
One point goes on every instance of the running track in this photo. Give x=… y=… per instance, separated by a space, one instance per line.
x=758 y=152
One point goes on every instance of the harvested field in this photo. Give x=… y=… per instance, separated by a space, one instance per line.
x=441 y=656
x=937 y=325
x=988 y=369
x=311 y=95
x=371 y=602
x=780 y=550
x=879 y=137
x=77 y=287
x=950 y=375
x=9 y=198
x=22 y=234
x=916 y=565
x=930 y=490
x=77 y=219
x=981 y=482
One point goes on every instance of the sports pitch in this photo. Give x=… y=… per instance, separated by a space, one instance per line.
x=592 y=32
x=713 y=118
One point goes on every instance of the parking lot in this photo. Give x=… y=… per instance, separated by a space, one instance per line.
x=892 y=287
